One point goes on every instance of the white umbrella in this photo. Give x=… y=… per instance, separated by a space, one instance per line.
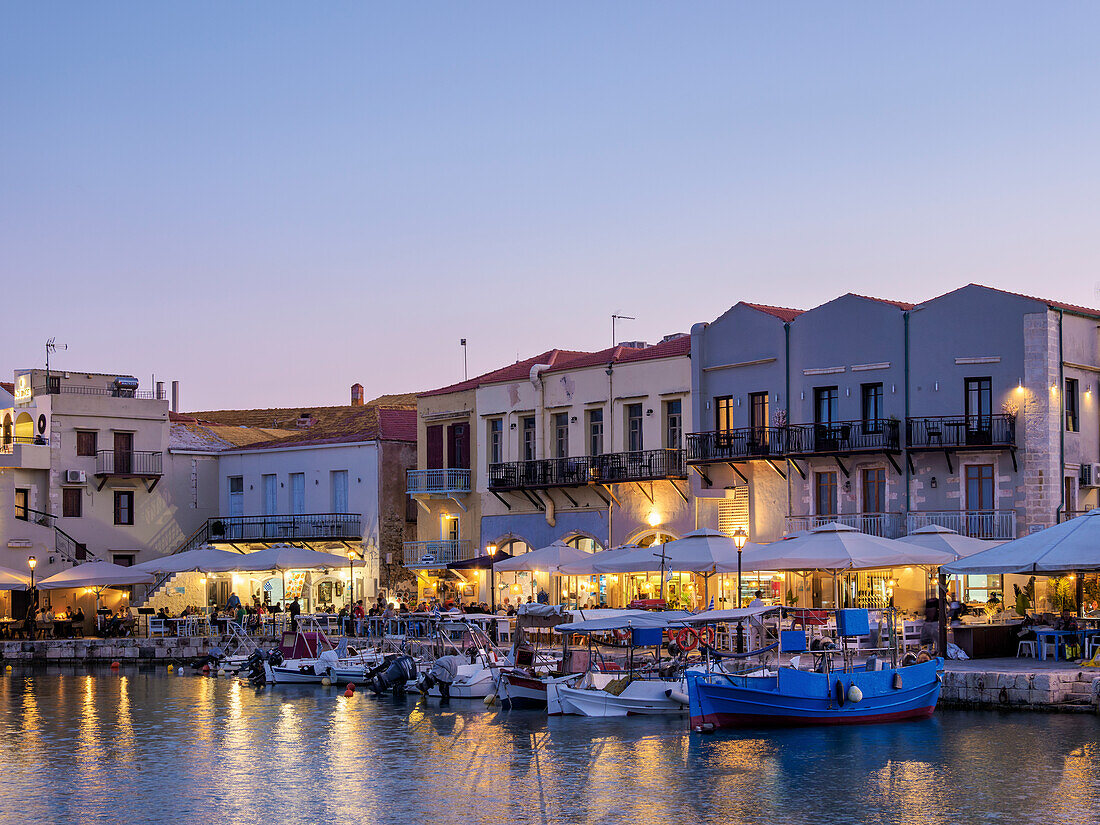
x=95 y=574
x=12 y=580
x=287 y=557
x=205 y=559
x=1069 y=546
x=946 y=540
x=700 y=551
x=593 y=562
x=544 y=560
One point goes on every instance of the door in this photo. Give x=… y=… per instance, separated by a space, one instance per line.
x=236 y=495
x=634 y=428
x=561 y=435
x=434 y=443
x=339 y=491
x=871 y=403
x=297 y=493
x=271 y=495
x=458 y=446
x=980 y=503
x=979 y=410
x=825 y=494
x=758 y=419
x=124 y=452
x=529 y=438
x=825 y=405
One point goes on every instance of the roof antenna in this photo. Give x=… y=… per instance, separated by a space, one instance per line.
x=51 y=346
x=619 y=318
x=465 y=369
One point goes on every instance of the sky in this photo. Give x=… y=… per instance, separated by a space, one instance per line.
x=270 y=201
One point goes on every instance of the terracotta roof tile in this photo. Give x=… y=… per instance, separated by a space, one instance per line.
x=8 y=387
x=512 y=372
x=1047 y=301
x=785 y=314
x=898 y=304
x=681 y=345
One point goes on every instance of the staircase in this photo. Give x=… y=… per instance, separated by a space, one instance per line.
x=1083 y=691
x=196 y=539
x=70 y=549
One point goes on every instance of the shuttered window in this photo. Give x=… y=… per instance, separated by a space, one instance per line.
x=733 y=513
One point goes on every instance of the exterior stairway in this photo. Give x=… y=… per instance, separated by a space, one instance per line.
x=196 y=539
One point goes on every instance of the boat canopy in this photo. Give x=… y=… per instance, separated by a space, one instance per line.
x=733 y=614
x=640 y=618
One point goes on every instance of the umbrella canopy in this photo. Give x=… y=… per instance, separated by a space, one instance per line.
x=945 y=540
x=13 y=580
x=544 y=560
x=205 y=559
x=479 y=563
x=1071 y=545
x=96 y=574
x=287 y=557
x=593 y=562
x=836 y=546
x=700 y=551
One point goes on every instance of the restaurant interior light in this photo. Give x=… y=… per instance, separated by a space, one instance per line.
x=654 y=518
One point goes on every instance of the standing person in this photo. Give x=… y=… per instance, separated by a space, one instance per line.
x=295 y=610
x=232 y=603
x=358 y=614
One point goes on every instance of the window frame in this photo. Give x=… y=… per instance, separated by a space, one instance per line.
x=723 y=412
x=69 y=494
x=871 y=392
x=595 y=431
x=674 y=423
x=1072 y=406
x=495 y=438
x=832 y=394
x=84 y=434
x=634 y=427
x=818 y=486
x=561 y=435
x=124 y=513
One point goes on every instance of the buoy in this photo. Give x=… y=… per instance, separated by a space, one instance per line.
x=8 y=667
x=326 y=681
x=854 y=694
x=489 y=699
x=180 y=672
x=206 y=668
x=351 y=687
x=349 y=693
x=897 y=681
x=114 y=665
x=170 y=668
x=677 y=696
x=221 y=671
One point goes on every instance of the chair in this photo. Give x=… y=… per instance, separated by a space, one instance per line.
x=1092 y=644
x=1048 y=643
x=911 y=633
x=1027 y=646
x=504 y=629
x=157 y=625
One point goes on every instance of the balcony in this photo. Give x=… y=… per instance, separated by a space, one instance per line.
x=883 y=525
x=300 y=527
x=424 y=555
x=442 y=481
x=139 y=463
x=610 y=468
x=25 y=452
x=961 y=432
x=877 y=435
x=55 y=387
x=737 y=445
x=979 y=524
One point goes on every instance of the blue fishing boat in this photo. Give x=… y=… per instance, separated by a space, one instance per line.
x=873 y=691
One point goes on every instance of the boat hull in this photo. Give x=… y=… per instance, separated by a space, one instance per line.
x=642 y=697
x=794 y=698
x=518 y=692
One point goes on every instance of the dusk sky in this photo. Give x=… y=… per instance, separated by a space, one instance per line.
x=271 y=201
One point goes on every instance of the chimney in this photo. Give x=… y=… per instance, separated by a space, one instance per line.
x=175 y=396
x=357 y=395
x=160 y=391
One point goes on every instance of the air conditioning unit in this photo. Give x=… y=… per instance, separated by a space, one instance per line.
x=75 y=476
x=1089 y=475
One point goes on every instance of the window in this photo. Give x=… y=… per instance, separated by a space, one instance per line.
x=433 y=445
x=339 y=481
x=236 y=495
x=561 y=435
x=825 y=405
x=1072 y=422
x=674 y=424
x=633 y=427
x=72 y=502
x=124 y=507
x=458 y=446
x=871 y=407
x=86 y=442
x=450 y=528
x=271 y=494
x=22 y=504
x=979 y=487
x=825 y=494
x=529 y=438
x=758 y=412
x=723 y=413
x=979 y=402
x=297 y=493
x=123 y=559
x=595 y=432
x=980 y=588
x=733 y=513
x=874 y=490
x=496 y=440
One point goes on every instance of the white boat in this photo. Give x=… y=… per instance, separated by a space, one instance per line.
x=604 y=694
x=469 y=666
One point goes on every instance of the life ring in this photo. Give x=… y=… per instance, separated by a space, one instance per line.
x=622 y=634
x=687 y=639
x=706 y=636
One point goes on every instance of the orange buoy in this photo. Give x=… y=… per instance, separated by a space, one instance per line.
x=114 y=665
x=206 y=668
x=351 y=687
x=349 y=693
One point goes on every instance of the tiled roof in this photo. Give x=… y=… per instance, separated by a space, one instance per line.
x=8 y=387
x=681 y=345
x=1055 y=304
x=785 y=314
x=512 y=372
x=898 y=304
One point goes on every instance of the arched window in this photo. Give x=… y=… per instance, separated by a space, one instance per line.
x=24 y=427
x=653 y=537
x=585 y=543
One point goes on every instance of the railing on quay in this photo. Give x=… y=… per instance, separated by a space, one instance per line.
x=960 y=431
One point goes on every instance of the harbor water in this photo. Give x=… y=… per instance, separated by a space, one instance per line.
x=146 y=746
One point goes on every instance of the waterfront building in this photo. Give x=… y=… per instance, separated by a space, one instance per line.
x=974 y=410
x=86 y=468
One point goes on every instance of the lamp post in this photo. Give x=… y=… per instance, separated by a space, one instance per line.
x=491 y=549
x=32 y=562
x=351 y=590
x=739 y=539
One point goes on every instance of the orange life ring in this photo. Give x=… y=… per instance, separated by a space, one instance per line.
x=622 y=634
x=687 y=639
x=706 y=636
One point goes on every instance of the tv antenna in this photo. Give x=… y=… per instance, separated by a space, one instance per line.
x=465 y=370
x=52 y=346
x=615 y=318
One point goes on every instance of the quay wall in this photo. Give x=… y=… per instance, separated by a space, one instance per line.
x=103 y=651
x=1043 y=690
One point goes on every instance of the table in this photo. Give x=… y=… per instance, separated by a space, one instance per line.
x=1055 y=637
x=987 y=641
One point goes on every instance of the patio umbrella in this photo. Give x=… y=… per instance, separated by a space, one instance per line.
x=287 y=557
x=12 y=580
x=480 y=563
x=1070 y=546
x=96 y=574
x=943 y=539
x=593 y=563
x=204 y=559
x=544 y=560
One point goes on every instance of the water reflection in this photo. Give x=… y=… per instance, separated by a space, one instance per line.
x=142 y=746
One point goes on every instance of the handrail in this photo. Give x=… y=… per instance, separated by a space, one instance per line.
x=744 y=442
x=70 y=549
x=296 y=526
x=112 y=392
x=944 y=431
x=609 y=468
x=844 y=436
x=129 y=462
x=41 y=517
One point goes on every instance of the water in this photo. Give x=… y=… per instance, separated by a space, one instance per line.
x=147 y=747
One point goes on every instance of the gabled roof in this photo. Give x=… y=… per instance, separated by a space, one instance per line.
x=898 y=304
x=785 y=314
x=1053 y=304
x=681 y=345
x=513 y=372
x=8 y=387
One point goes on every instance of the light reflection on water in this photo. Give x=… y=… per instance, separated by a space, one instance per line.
x=146 y=747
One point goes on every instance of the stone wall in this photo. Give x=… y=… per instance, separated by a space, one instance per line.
x=1043 y=688
x=103 y=651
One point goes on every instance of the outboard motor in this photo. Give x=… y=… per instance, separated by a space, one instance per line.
x=254 y=667
x=443 y=673
x=398 y=671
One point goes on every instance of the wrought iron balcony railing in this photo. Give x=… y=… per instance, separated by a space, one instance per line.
x=731 y=445
x=445 y=480
x=129 y=463
x=842 y=437
x=639 y=465
x=961 y=431
x=282 y=528
x=436 y=554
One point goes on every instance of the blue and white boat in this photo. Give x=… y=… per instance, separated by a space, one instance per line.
x=787 y=695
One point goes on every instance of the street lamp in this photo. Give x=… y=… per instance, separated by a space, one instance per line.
x=491 y=549
x=740 y=537
x=32 y=562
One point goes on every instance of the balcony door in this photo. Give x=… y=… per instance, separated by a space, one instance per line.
x=825 y=405
x=758 y=418
x=124 y=452
x=979 y=410
x=634 y=428
x=271 y=494
x=529 y=438
x=561 y=435
x=874 y=490
x=297 y=493
x=433 y=437
x=236 y=495
x=980 y=501
x=458 y=446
